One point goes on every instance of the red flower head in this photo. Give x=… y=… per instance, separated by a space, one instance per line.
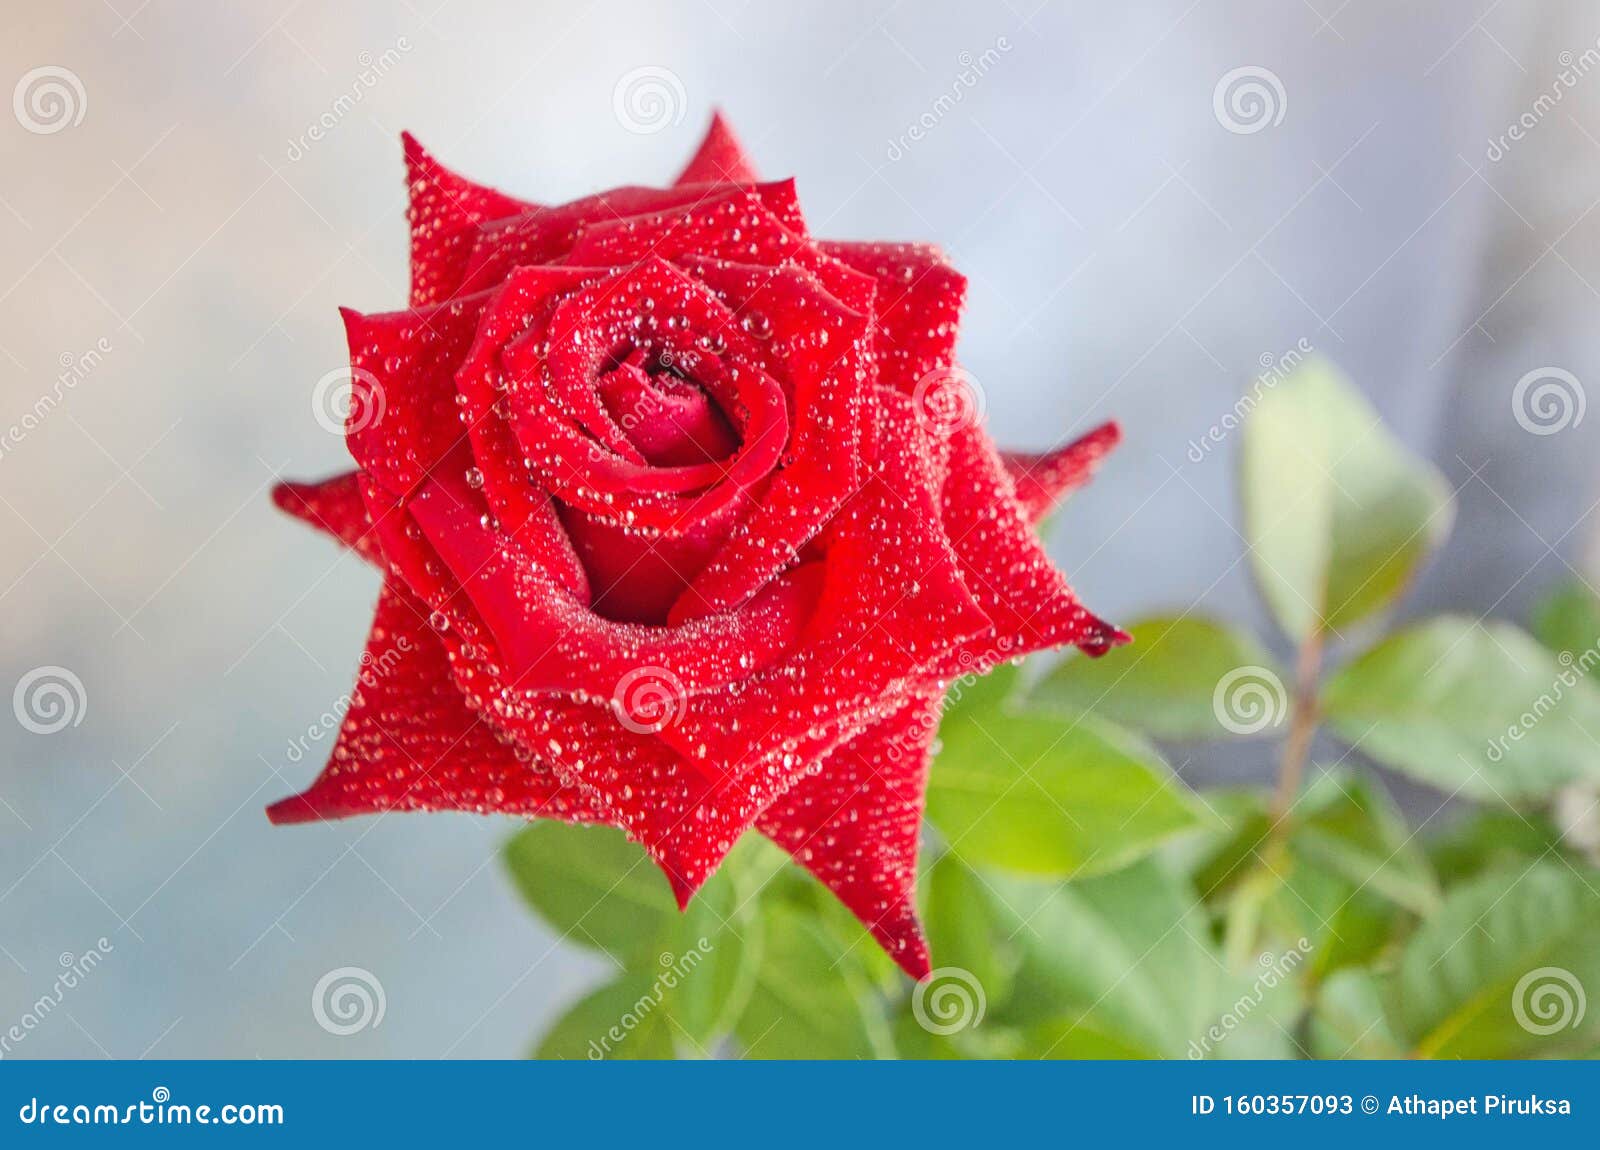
x=687 y=521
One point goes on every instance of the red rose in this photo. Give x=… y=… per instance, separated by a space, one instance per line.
x=687 y=522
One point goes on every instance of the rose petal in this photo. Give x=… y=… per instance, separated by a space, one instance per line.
x=1005 y=565
x=919 y=307
x=549 y=234
x=719 y=158
x=335 y=506
x=409 y=741
x=445 y=211
x=404 y=419
x=822 y=345
x=894 y=604
x=1043 y=480
x=549 y=641
x=856 y=823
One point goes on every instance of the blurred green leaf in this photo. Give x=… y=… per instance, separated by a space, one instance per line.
x=963 y=931
x=1354 y=829
x=1123 y=965
x=1338 y=515
x=712 y=955
x=809 y=999
x=1048 y=796
x=1340 y=874
x=1491 y=839
x=1349 y=1020
x=599 y=889
x=592 y=885
x=1568 y=619
x=625 y=1019
x=1478 y=707
x=1505 y=968
x=973 y=695
x=1164 y=684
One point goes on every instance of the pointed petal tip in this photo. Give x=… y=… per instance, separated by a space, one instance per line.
x=286 y=496
x=915 y=961
x=292 y=810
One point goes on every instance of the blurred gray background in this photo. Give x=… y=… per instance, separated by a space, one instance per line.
x=174 y=240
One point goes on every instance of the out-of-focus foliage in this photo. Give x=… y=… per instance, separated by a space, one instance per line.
x=1082 y=902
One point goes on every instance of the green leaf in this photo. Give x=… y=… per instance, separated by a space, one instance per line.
x=714 y=951
x=1568 y=620
x=1491 y=839
x=809 y=1000
x=963 y=932
x=1340 y=875
x=625 y=1019
x=1167 y=682
x=1123 y=966
x=1339 y=517
x=1349 y=1019
x=971 y=695
x=1469 y=705
x=1047 y=796
x=592 y=885
x=1501 y=970
x=1353 y=828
